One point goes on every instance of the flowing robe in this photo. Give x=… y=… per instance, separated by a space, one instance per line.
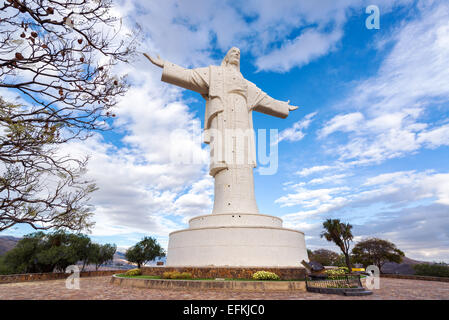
x=228 y=128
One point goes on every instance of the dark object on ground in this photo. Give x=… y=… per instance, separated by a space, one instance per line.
x=316 y=266
x=314 y=270
x=312 y=266
x=349 y=285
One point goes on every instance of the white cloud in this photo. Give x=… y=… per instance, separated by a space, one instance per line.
x=434 y=138
x=347 y=122
x=392 y=189
x=413 y=231
x=411 y=80
x=187 y=33
x=136 y=195
x=296 y=133
x=409 y=208
x=197 y=201
x=308 y=171
x=308 y=46
x=310 y=198
x=389 y=178
x=336 y=178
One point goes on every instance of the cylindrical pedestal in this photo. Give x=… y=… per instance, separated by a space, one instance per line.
x=234 y=190
x=236 y=240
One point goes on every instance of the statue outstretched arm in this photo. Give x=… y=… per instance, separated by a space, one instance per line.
x=191 y=79
x=261 y=102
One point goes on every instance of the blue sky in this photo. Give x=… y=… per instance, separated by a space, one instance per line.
x=369 y=143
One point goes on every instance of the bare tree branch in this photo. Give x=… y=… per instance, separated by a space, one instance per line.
x=58 y=55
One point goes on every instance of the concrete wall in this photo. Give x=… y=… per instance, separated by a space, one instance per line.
x=257 y=286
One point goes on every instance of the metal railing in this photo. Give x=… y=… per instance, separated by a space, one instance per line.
x=340 y=282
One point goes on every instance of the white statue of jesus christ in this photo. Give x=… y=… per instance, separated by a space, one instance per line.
x=230 y=100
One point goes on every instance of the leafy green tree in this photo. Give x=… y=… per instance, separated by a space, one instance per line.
x=341 y=234
x=341 y=261
x=56 y=252
x=23 y=258
x=325 y=257
x=40 y=252
x=145 y=250
x=135 y=254
x=440 y=269
x=375 y=251
x=101 y=254
x=4 y=268
x=82 y=246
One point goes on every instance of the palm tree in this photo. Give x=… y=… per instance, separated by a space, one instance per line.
x=339 y=233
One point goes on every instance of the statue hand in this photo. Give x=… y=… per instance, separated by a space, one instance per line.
x=291 y=108
x=156 y=61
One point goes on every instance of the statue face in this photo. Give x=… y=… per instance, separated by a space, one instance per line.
x=234 y=56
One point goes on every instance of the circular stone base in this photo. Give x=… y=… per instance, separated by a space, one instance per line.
x=254 y=286
x=236 y=240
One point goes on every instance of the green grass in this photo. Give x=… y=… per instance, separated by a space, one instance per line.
x=196 y=279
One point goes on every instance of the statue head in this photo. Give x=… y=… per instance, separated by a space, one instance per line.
x=232 y=57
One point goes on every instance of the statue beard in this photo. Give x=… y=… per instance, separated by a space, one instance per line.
x=235 y=63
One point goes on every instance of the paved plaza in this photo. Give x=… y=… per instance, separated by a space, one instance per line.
x=99 y=288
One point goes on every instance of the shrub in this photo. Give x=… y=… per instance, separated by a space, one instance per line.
x=185 y=275
x=133 y=272
x=345 y=269
x=265 y=275
x=170 y=275
x=176 y=275
x=336 y=273
x=434 y=270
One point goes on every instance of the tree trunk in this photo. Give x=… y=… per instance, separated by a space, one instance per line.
x=348 y=262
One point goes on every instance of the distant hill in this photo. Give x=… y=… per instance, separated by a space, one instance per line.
x=119 y=255
x=405 y=267
x=7 y=243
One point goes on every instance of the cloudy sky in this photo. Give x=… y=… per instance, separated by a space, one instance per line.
x=369 y=144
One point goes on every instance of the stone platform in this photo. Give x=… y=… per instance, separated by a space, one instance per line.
x=100 y=288
x=236 y=240
x=228 y=272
